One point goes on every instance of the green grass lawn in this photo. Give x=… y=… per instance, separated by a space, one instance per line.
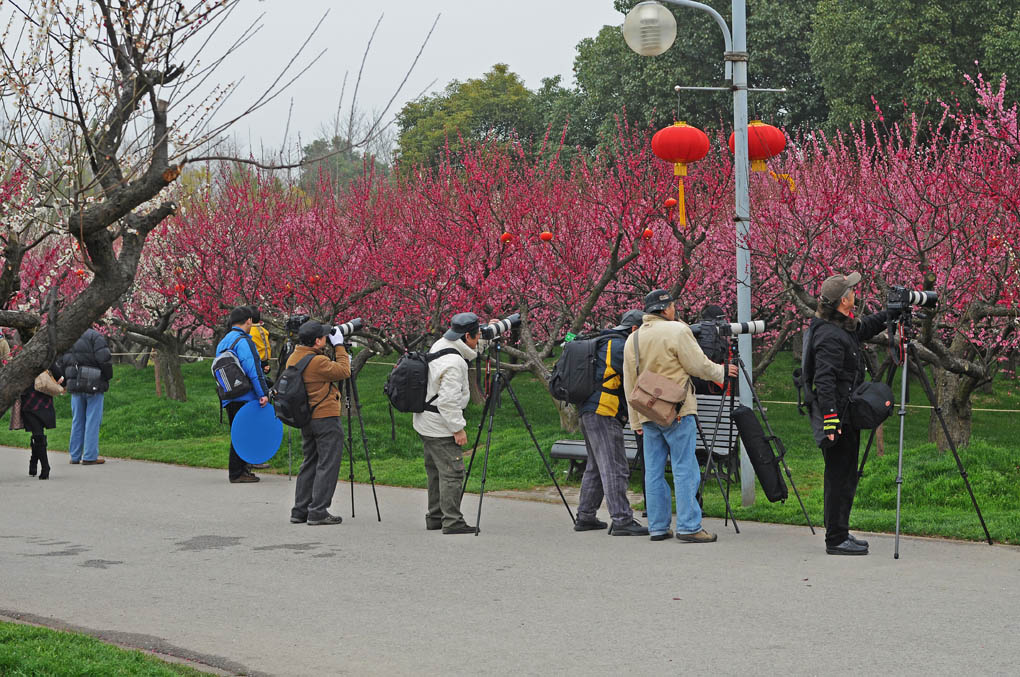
x=139 y=425
x=26 y=650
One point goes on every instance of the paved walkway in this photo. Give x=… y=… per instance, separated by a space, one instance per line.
x=177 y=560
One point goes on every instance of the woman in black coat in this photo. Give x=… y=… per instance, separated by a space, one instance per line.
x=38 y=414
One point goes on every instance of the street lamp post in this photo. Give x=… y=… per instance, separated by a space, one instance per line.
x=649 y=30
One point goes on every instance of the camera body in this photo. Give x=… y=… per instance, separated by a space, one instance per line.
x=294 y=323
x=496 y=329
x=351 y=326
x=901 y=298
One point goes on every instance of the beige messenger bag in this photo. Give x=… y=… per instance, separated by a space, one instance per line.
x=654 y=396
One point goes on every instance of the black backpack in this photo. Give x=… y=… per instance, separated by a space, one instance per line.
x=407 y=385
x=231 y=381
x=870 y=404
x=290 y=397
x=573 y=378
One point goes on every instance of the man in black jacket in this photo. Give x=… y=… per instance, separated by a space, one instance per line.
x=834 y=366
x=88 y=369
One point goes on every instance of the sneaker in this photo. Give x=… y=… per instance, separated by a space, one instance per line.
x=258 y=466
x=298 y=520
x=661 y=537
x=858 y=541
x=328 y=519
x=589 y=525
x=700 y=537
x=847 y=547
x=246 y=478
x=462 y=529
x=635 y=528
x=433 y=526
x=74 y=462
x=98 y=461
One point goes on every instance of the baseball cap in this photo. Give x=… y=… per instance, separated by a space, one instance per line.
x=631 y=318
x=460 y=324
x=657 y=300
x=836 y=287
x=311 y=330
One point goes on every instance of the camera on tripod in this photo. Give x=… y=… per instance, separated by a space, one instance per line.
x=721 y=328
x=496 y=329
x=294 y=323
x=348 y=328
x=901 y=298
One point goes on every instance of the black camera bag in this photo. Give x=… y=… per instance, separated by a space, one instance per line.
x=408 y=384
x=759 y=450
x=573 y=378
x=870 y=404
x=290 y=397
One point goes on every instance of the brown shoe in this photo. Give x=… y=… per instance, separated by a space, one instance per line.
x=700 y=537
x=98 y=461
x=246 y=478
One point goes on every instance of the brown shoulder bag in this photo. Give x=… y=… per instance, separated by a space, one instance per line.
x=654 y=396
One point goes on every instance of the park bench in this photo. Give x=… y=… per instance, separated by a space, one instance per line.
x=723 y=443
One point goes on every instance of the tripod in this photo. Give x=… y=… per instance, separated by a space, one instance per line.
x=907 y=356
x=773 y=438
x=492 y=403
x=353 y=402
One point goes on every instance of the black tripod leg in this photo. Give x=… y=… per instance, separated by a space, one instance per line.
x=496 y=385
x=364 y=443
x=486 y=408
x=709 y=463
x=350 y=442
x=538 y=448
x=930 y=392
x=779 y=442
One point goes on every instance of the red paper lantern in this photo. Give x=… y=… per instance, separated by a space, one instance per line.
x=546 y=236
x=505 y=238
x=647 y=234
x=763 y=142
x=670 y=202
x=680 y=144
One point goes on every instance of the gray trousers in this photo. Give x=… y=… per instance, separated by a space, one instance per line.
x=607 y=472
x=444 y=467
x=322 y=442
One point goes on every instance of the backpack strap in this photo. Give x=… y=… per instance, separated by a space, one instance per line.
x=429 y=357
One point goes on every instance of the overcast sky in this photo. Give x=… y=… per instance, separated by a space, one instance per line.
x=535 y=37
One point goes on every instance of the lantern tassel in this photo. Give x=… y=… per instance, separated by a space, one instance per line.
x=680 y=204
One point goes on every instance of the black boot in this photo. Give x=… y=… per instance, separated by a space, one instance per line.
x=33 y=462
x=39 y=443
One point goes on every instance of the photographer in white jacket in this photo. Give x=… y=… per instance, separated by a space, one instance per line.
x=441 y=426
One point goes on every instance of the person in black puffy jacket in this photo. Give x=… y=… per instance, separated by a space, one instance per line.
x=88 y=370
x=834 y=367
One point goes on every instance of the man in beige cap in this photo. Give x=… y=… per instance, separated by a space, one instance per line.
x=833 y=366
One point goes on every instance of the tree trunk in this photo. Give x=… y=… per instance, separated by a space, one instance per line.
x=797 y=345
x=169 y=373
x=477 y=395
x=570 y=420
x=953 y=393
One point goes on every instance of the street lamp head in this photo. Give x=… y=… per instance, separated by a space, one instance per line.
x=649 y=28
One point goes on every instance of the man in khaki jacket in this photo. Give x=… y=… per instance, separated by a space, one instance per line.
x=322 y=440
x=670 y=349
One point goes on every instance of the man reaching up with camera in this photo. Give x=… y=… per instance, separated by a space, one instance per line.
x=322 y=440
x=441 y=425
x=833 y=367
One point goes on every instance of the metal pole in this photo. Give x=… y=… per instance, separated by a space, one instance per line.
x=742 y=220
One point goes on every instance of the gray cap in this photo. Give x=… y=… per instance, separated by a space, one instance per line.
x=460 y=324
x=658 y=300
x=631 y=318
x=836 y=287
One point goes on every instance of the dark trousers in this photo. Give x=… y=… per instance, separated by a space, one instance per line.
x=606 y=473
x=840 y=485
x=236 y=467
x=322 y=443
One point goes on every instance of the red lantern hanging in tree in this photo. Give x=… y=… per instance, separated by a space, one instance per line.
x=680 y=144
x=763 y=142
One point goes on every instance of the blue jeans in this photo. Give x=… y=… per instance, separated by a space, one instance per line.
x=677 y=441
x=86 y=417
